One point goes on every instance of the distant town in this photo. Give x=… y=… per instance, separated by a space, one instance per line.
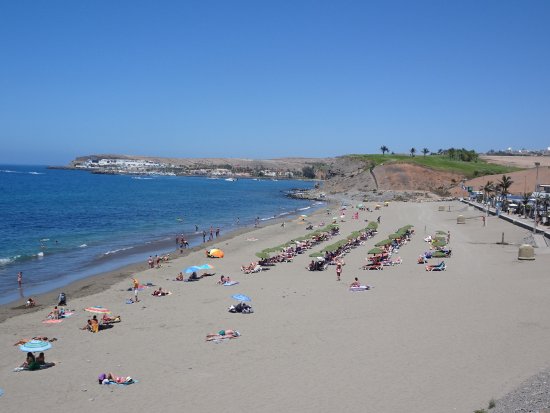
x=226 y=168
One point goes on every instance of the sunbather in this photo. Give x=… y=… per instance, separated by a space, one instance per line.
x=223 y=334
x=224 y=279
x=160 y=292
x=180 y=277
x=41 y=338
x=54 y=314
x=108 y=320
x=355 y=283
x=106 y=378
x=30 y=359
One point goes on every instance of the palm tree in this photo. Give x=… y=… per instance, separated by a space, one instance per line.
x=504 y=185
x=525 y=202
x=425 y=151
x=384 y=149
x=488 y=189
x=413 y=151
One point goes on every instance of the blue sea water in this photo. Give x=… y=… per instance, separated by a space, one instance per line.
x=57 y=226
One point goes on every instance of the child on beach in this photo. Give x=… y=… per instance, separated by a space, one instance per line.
x=355 y=283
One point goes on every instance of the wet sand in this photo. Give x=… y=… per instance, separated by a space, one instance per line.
x=419 y=341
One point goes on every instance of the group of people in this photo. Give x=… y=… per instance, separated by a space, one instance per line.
x=155 y=262
x=35 y=363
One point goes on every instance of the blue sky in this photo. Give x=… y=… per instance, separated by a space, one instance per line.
x=262 y=79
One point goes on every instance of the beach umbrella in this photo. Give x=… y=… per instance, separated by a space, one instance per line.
x=440 y=232
x=192 y=269
x=375 y=251
x=35 y=346
x=394 y=236
x=215 y=253
x=438 y=244
x=205 y=267
x=383 y=243
x=359 y=206
x=97 y=310
x=241 y=297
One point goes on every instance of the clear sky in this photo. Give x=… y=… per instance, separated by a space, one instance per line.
x=262 y=79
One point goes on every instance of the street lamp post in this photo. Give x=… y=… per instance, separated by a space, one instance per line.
x=537 y=164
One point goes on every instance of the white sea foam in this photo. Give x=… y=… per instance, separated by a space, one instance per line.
x=40 y=254
x=82 y=246
x=5 y=261
x=36 y=173
x=304 y=209
x=118 y=250
x=7 y=171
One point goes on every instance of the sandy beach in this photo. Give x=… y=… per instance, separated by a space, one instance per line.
x=418 y=341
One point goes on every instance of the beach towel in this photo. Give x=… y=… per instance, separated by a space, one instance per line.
x=126 y=383
x=67 y=314
x=129 y=301
x=41 y=367
x=52 y=321
x=360 y=288
x=227 y=284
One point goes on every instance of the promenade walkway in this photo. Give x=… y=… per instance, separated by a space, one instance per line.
x=542 y=234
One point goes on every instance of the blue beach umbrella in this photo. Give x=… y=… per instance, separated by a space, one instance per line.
x=241 y=297
x=35 y=346
x=205 y=267
x=192 y=269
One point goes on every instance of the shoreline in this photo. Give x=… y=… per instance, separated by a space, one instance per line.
x=95 y=283
x=429 y=334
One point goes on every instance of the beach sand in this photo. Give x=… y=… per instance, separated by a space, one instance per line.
x=419 y=341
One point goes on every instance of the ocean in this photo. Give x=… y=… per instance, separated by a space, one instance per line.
x=58 y=226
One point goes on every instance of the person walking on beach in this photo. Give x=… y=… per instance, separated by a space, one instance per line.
x=217 y=232
x=203 y=235
x=20 y=278
x=378 y=219
x=211 y=236
x=135 y=284
x=338 y=271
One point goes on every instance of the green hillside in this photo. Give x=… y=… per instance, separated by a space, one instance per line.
x=440 y=163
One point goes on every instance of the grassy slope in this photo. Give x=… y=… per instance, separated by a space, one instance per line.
x=441 y=163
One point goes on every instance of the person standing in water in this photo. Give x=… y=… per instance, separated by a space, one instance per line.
x=20 y=278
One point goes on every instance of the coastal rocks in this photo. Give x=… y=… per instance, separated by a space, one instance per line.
x=531 y=396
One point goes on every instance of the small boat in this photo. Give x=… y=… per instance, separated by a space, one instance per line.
x=231 y=179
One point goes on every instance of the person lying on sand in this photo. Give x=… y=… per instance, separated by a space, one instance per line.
x=160 y=292
x=107 y=378
x=41 y=338
x=107 y=319
x=224 y=279
x=223 y=334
